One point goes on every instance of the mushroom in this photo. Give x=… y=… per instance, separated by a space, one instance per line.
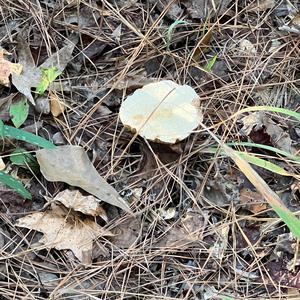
x=163 y=112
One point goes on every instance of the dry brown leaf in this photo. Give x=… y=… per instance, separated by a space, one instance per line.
x=189 y=230
x=57 y=106
x=253 y=201
x=63 y=230
x=7 y=68
x=203 y=45
x=126 y=233
x=257 y=121
x=88 y=205
x=71 y=164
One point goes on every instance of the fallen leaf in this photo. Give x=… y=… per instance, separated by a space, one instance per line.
x=189 y=230
x=7 y=68
x=31 y=75
x=57 y=106
x=71 y=164
x=63 y=230
x=253 y=201
x=263 y=130
x=88 y=205
x=162 y=112
x=203 y=45
x=126 y=233
x=19 y=112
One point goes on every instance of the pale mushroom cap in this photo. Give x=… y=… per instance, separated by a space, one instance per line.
x=163 y=111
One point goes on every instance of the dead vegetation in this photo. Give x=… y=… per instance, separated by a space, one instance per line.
x=199 y=229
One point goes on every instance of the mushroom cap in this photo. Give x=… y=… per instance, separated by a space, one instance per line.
x=163 y=111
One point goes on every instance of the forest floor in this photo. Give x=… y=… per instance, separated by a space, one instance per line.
x=199 y=229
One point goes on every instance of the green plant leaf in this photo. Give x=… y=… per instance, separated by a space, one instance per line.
x=48 y=76
x=14 y=184
x=22 y=158
x=211 y=63
x=19 y=134
x=19 y=112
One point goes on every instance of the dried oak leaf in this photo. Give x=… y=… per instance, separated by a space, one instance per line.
x=7 y=68
x=64 y=229
x=71 y=164
x=88 y=205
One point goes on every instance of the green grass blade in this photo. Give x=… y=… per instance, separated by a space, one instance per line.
x=271 y=109
x=266 y=147
x=257 y=162
x=211 y=63
x=14 y=184
x=171 y=29
x=18 y=134
x=263 y=163
x=289 y=219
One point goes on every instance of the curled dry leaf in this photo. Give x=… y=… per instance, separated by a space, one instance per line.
x=56 y=104
x=88 y=205
x=263 y=130
x=63 y=230
x=162 y=112
x=7 y=68
x=71 y=164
